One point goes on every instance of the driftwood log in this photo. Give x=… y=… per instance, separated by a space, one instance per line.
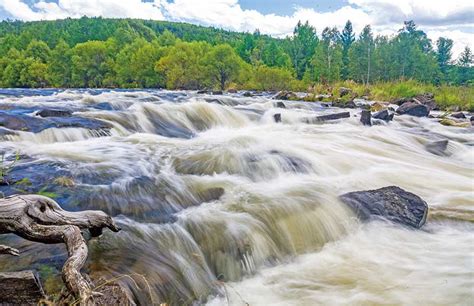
x=38 y=218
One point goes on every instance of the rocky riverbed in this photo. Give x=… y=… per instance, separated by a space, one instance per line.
x=226 y=198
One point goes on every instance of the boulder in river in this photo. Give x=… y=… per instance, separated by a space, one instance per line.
x=277 y=117
x=248 y=94
x=458 y=115
x=391 y=203
x=365 y=117
x=343 y=91
x=280 y=104
x=49 y=112
x=413 y=109
x=328 y=117
x=437 y=147
x=21 y=122
x=384 y=115
x=285 y=95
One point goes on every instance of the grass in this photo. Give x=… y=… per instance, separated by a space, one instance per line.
x=446 y=96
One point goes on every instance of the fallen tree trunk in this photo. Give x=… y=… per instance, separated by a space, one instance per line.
x=38 y=218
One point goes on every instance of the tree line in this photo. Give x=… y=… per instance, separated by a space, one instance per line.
x=97 y=52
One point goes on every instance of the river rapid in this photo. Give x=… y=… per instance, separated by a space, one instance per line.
x=221 y=205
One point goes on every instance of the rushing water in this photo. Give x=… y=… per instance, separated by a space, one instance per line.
x=221 y=205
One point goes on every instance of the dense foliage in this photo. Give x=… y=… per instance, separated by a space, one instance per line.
x=97 y=52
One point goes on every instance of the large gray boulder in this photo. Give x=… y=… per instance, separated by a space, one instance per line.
x=391 y=203
x=413 y=109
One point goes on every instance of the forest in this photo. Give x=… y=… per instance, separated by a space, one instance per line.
x=129 y=53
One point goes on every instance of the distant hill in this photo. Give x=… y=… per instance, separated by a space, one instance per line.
x=75 y=31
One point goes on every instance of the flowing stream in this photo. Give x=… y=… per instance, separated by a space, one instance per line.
x=221 y=205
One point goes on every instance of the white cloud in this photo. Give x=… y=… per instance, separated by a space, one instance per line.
x=436 y=17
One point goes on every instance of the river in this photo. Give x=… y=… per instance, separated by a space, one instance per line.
x=221 y=205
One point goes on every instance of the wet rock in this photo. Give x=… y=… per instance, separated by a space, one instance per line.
x=459 y=115
x=277 y=117
x=413 y=109
x=232 y=90
x=103 y=106
x=20 y=288
x=426 y=99
x=292 y=163
x=217 y=92
x=20 y=122
x=248 y=94
x=201 y=92
x=450 y=122
x=321 y=97
x=344 y=104
x=285 y=95
x=384 y=115
x=391 y=203
x=377 y=106
x=4 y=132
x=365 y=117
x=280 y=104
x=48 y=112
x=437 y=147
x=322 y=118
x=344 y=91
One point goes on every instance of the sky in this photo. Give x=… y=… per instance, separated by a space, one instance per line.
x=453 y=18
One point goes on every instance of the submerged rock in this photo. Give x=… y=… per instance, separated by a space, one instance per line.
x=391 y=203
x=48 y=112
x=277 y=117
x=365 y=117
x=280 y=104
x=20 y=122
x=413 y=109
x=437 y=147
x=450 y=122
x=384 y=115
x=328 y=117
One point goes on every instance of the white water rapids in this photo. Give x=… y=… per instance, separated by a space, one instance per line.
x=221 y=205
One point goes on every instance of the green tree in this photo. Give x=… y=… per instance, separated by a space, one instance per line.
x=34 y=73
x=443 y=50
x=327 y=59
x=222 y=65
x=302 y=46
x=465 y=69
x=59 y=68
x=272 y=78
x=182 y=65
x=38 y=50
x=347 y=39
x=89 y=64
x=361 y=56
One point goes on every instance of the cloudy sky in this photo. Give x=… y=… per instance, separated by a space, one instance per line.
x=449 y=18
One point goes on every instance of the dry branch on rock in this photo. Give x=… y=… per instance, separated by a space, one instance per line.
x=38 y=218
